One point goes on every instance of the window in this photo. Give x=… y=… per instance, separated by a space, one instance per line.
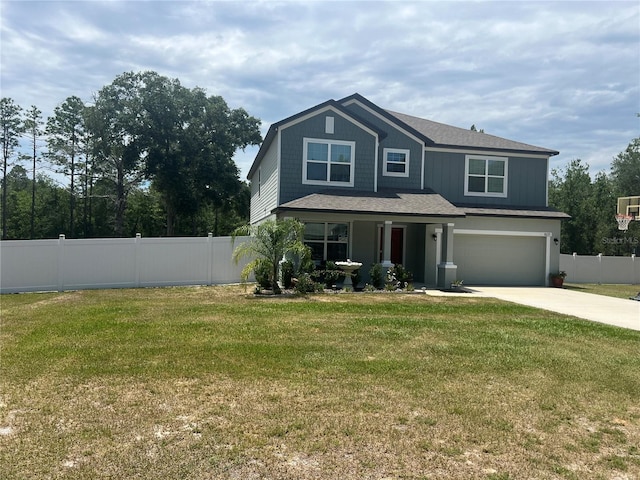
x=328 y=241
x=396 y=162
x=328 y=162
x=485 y=176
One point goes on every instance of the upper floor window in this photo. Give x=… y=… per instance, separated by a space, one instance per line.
x=485 y=176
x=396 y=162
x=328 y=162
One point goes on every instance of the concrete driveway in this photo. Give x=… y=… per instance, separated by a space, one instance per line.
x=598 y=308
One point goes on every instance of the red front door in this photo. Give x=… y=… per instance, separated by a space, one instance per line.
x=397 y=244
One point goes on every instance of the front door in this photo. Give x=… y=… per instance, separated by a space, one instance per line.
x=397 y=245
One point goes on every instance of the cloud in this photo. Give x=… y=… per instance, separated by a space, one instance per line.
x=563 y=75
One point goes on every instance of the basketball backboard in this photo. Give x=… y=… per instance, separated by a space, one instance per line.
x=629 y=206
x=628 y=210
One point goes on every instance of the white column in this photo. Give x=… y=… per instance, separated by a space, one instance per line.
x=447 y=270
x=386 y=244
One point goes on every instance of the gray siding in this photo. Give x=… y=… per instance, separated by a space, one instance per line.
x=394 y=139
x=365 y=241
x=292 y=154
x=527 y=180
x=264 y=197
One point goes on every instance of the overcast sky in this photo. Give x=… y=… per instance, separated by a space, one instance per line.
x=561 y=75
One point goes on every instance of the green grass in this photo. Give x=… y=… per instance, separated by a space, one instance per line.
x=618 y=290
x=213 y=383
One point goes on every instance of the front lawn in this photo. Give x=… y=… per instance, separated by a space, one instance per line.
x=617 y=290
x=211 y=383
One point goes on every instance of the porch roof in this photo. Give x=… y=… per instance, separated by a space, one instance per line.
x=513 y=211
x=383 y=202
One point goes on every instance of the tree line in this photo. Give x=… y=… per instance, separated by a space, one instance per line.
x=147 y=155
x=592 y=204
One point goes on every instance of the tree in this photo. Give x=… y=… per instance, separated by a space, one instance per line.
x=11 y=128
x=570 y=192
x=33 y=127
x=625 y=170
x=115 y=130
x=270 y=241
x=190 y=140
x=66 y=132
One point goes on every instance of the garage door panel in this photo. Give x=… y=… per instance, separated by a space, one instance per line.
x=500 y=260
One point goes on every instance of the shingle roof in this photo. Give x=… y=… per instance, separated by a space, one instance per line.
x=513 y=211
x=413 y=203
x=448 y=136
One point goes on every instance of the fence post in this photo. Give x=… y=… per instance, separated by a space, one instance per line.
x=136 y=256
x=575 y=266
x=633 y=269
x=61 y=239
x=600 y=269
x=209 y=258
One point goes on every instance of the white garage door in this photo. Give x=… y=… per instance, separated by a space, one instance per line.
x=500 y=260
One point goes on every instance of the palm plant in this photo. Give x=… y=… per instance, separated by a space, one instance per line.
x=269 y=242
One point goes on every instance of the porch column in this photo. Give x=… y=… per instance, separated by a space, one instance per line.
x=447 y=270
x=386 y=244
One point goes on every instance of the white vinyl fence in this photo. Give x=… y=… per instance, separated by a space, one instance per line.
x=58 y=265
x=600 y=269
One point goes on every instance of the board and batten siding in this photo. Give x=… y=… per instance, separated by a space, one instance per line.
x=527 y=179
x=264 y=185
x=292 y=154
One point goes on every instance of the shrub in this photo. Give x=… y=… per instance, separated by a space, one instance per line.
x=376 y=276
x=398 y=276
x=306 y=284
x=287 y=273
x=262 y=272
x=331 y=274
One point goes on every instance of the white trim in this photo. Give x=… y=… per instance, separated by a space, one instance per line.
x=424 y=159
x=279 y=165
x=331 y=108
x=375 y=165
x=486 y=152
x=328 y=142
x=325 y=242
x=329 y=125
x=516 y=233
x=546 y=187
x=380 y=227
x=486 y=176
x=505 y=233
x=384 y=119
x=385 y=162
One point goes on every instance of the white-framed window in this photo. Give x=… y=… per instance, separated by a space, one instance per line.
x=395 y=162
x=328 y=241
x=485 y=176
x=328 y=162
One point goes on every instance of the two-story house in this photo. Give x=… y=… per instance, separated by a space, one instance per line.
x=379 y=186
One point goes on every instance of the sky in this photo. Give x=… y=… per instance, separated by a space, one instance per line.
x=561 y=75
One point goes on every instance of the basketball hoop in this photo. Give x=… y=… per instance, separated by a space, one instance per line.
x=623 y=221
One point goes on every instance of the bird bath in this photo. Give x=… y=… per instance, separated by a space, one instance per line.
x=348 y=268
